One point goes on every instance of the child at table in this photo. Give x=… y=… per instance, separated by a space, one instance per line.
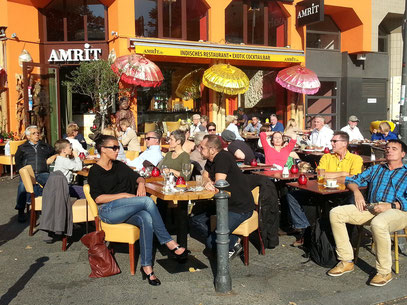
x=68 y=161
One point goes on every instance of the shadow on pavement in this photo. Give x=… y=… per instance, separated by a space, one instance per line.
x=11 y=230
x=24 y=279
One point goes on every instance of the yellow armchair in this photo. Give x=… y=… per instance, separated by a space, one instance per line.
x=9 y=160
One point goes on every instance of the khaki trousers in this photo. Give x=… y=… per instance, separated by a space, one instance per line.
x=381 y=224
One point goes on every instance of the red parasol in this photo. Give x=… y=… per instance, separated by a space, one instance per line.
x=299 y=79
x=137 y=70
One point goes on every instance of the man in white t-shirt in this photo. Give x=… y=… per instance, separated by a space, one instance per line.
x=195 y=127
x=352 y=129
x=322 y=134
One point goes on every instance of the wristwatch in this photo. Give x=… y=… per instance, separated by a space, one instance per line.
x=393 y=205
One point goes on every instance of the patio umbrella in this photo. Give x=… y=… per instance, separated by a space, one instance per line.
x=299 y=79
x=137 y=70
x=226 y=79
x=190 y=85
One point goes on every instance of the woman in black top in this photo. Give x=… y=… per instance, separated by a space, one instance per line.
x=121 y=194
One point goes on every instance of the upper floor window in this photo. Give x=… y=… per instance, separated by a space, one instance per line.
x=179 y=19
x=324 y=35
x=75 y=20
x=383 y=41
x=256 y=22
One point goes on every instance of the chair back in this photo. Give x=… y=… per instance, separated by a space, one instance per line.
x=132 y=154
x=28 y=178
x=14 y=146
x=171 y=126
x=92 y=204
x=150 y=127
x=256 y=194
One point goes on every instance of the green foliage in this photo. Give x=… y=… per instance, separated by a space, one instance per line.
x=8 y=135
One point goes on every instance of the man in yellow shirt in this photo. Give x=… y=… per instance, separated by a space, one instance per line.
x=339 y=164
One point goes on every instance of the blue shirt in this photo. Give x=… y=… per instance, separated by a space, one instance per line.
x=379 y=136
x=384 y=185
x=251 y=128
x=152 y=154
x=277 y=127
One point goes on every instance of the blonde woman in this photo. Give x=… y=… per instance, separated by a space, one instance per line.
x=384 y=133
x=71 y=132
x=231 y=124
x=188 y=146
x=129 y=137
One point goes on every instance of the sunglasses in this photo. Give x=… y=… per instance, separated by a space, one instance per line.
x=114 y=148
x=149 y=138
x=334 y=141
x=211 y=129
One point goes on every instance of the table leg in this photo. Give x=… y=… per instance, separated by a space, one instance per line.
x=182 y=223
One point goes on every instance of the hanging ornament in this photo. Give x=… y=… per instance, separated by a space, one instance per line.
x=112 y=56
x=25 y=57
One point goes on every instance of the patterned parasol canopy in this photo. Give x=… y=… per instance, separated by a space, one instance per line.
x=227 y=79
x=190 y=85
x=299 y=79
x=137 y=70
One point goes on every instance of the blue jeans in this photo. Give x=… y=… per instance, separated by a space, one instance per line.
x=199 y=227
x=23 y=197
x=76 y=191
x=143 y=213
x=294 y=200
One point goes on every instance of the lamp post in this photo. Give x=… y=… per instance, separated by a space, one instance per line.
x=403 y=106
x=223 y=282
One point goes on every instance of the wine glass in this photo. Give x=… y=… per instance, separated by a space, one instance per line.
x=165 y=171
x=186 y=169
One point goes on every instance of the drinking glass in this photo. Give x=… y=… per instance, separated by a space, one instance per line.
x=320 y=175
x=199 y=180
x=186 y=169
x=165 y=171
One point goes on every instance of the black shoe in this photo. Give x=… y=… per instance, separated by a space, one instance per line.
x=21 y=216
x=52 y=238
x=237 y=249
x=153 y=282
x=181 y=258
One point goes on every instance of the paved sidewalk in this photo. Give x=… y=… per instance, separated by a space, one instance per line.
x=33 y=272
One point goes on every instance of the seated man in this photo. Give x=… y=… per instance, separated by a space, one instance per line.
x=221 y=165
x=152 y=155
x=275 y=125
x=337 y=165
x=321 y=134
x=352 y=129
x=254 y=126
x=37 y=154
x=239 y=149
x=387 y=189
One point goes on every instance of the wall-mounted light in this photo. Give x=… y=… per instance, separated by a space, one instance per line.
x=14 y=35
x=114 y=33
x=3 y=32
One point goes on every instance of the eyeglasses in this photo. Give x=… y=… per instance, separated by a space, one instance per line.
x=35 y=132
x=334 y=141
x=149 y=138
x=114 y=148
x=212 y=129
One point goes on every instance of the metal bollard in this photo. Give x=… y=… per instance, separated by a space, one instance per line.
x=223 y=282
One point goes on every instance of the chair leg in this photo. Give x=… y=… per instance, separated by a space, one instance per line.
x=396 y=252
x=11 y=168
x=64 y=242
x=131 y=254
x=33 y=220
x=360 y=233
x=246 y=249
x=263 y=252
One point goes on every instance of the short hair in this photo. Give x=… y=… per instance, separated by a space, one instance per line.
x=319 y=117
x=125 y=121
x=198 y=137
x=184 y=126
x=102 y=140
x=211 y=124
x=204 y=118
x=385 y=126
x=403 y=145
x=156 y=133
x=108 y=131
x=230 y=119
x=60 y=145
x=196 y=116
x=273 y=115
x=213 y=142
x=264 y=128
x=255 y=116
x=179 y=135
x=240 y=109
x=28 y=129
x=343 y=135
x=71 y=129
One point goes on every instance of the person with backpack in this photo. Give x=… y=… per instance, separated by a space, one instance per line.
x=385 y=210
x=337 y=165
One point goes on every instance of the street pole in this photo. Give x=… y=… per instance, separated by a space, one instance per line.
x=403 y=106
x=223 y=282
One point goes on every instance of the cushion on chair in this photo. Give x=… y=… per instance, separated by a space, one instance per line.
x=121 y=233
x=6 y=160
x=248 y=226
x=79 y=211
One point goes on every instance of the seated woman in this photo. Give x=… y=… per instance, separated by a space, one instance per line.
x=231 y=122
x=121 y=195
x=129 y=137
x=276 y=153
x=71 y=132
x=384 y=133
x=176 y=157
x=188 y=146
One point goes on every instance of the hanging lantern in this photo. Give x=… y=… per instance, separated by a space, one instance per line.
x=24 y=57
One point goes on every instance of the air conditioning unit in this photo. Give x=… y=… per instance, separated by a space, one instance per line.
x=361 y=56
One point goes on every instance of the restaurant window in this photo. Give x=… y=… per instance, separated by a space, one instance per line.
x=324 y=35
x=256 y=23
x=85 y=20
x=382 y=45
x=325 y=103
x=179 y=19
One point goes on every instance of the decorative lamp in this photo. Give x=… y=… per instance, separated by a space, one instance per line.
x=24 y=57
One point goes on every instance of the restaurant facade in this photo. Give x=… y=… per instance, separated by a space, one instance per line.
x=45 y=40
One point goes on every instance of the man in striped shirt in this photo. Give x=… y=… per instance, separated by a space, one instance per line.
x=386 y=212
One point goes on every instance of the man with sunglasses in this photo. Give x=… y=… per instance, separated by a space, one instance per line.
x=37 y=154
x=152 y=155
x=337 y=165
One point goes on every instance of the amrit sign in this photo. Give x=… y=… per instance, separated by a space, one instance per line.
x=309 y=11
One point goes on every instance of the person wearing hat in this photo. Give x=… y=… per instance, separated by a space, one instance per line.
x=239 y=149
x=352 y=129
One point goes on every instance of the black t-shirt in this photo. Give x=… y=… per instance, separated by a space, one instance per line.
x=119 y=179
x=241 y=200
x=248 y=152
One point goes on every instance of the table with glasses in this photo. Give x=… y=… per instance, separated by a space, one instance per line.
x=278 y=175
x=259 y=166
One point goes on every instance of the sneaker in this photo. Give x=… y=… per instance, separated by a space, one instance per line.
x=341 y=268
x=381 y=279
x=21 y=216
x=237 y=249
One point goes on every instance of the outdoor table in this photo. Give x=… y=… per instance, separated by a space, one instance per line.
x=259 y=166
x=181 y=200
x=367 y=162
x=90 y=161
x=278 y=175
x=314 y=187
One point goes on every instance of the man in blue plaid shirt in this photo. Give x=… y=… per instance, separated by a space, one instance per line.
x=386 y=212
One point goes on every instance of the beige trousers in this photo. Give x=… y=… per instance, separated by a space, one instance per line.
x=381 y=225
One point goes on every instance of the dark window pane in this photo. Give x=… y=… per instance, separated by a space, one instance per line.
x=277 y=26
x=96 y=20
x=75 y=11
x=146 y=18
x=255 y=23
x=328 y=25
x=382 y=44
x=55 y=20
x=234 y=22
x=197 y=20
x=322 y=41
x=329 y=120
x=327 y=89
x=321 y=106
x=172 y=18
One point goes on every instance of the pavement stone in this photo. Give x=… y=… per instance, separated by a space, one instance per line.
x=33 y=272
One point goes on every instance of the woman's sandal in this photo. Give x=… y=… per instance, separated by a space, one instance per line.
x=181 y=258
x=154 y=282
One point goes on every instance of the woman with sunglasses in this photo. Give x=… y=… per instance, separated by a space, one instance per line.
x=121 y=195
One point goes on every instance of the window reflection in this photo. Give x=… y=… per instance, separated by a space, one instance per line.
x=197 y=20
x=172 y=19
x=146 y=18
x=55 y=23
x=234 y=22
x=277 y=26
x=96 y=20
x=255 y=23
x=75 y=13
